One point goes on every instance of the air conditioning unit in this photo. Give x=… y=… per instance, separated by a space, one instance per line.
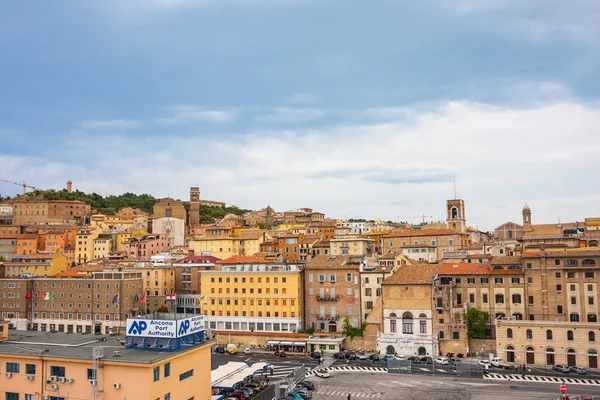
x=48 y=381
x=54 y=378
x=93 y=382
x=70 y=380
x=45 y=397
x=30 y=377
x=54 y=386
x=61 y=379
x=116 y=385
x=9 y=374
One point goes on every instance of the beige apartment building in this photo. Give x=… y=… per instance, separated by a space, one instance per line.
x=332 y=287
x=38 y=211
x=352 y=247
x=425 y=245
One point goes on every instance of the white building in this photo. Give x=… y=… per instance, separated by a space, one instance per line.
x=173 y=228
x=408 y=333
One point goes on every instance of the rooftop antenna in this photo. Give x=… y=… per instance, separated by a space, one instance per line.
x=454 y=180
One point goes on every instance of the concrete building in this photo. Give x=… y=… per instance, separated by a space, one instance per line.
x=407 y=313
x=56 y=366
x=187 y=274
x=38 y=211
x=103 y=246
x=428 y=245
x=360 y=247
x=172 y=228
x=332 y=287
x=38 y=265
x=246 y=243
x=142 y=247
x=255 y=296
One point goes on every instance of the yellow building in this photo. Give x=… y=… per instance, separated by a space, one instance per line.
x=258 y=297
x=226 y=246
x=158 y=282
x=352 y=247
x=59 y=366
x=121 y=238
x=84 y=244
x=39 y=265
x=103 y=245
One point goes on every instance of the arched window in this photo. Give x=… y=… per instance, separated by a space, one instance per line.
x=550 y=356
x=422 y=351
x=390 y=350
x=422 y=315
x=514 y=267
x=571 y=358
x=407 y=322
x=454 y=213
x=510 y=354
x=569 y=335
x=509 y=333
x=571 y=263
x=593 y=243
x=588 y=262
x=529 y=334
x=530 y=355
x=591 y=336
x=548 y=334
x=393 y=315
x=592 y=358
x=498 y=267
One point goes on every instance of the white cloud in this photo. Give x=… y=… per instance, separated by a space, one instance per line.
x=288 y=114
x=119 y=124
x=501 y=157
x=187 y=114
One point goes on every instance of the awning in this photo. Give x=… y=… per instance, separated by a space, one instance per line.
x=273 y=342
x=299 y=343
x=286 y=343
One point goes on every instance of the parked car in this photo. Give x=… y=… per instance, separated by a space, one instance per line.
x=245 y=393
x=400 y=358
x=483 y=363
x=254 y=386
x=280 y=354
x=565 y=369
x=460 y=355
x=339 y=355
x=442 y=361
x=237 y=395
x=361 y=356
x=297 y=396
x=220 y=349
x=388 y=357
x=454 y=361
x=249 y=389
x=322 y=373
x=315 y=354
x=307 y=384
x=350 y=355
x=500 y=363
x=305 y=394
x=449 y=355
x=247 y=351
x=414 y=359
x=374 y=357
x=426 y=360
x=579 y=370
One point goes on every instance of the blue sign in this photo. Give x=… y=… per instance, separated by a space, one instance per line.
x=137 y=328
x=151 y=328
x=191 y=325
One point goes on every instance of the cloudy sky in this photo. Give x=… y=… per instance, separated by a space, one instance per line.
x=355 y=108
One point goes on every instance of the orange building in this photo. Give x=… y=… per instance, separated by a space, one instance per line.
x=27 y=243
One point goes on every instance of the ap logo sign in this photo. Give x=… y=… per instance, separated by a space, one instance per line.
x=183 y=328
x=137 y=327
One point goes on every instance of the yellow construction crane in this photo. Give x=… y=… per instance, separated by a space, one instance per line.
x=422 y=217
x=25 y=186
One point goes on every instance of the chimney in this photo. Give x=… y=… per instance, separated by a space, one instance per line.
x=69 y=186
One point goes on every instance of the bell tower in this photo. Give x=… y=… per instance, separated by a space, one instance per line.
x=456 y=219
x=527 y=219
x=194 y=216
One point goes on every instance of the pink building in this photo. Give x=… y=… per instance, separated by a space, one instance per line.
x=142 y=248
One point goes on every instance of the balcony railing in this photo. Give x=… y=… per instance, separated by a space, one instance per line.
x=331 y=317
x=327 y=297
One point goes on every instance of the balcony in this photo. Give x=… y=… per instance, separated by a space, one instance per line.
x=332 y=317
x=327 y=297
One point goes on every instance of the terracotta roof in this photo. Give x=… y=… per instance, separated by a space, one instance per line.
x=250 y=235
x=243 y=260
x=79 y=272
x=464 y=269
x=328 y=261
x=424 y=232
x=415 y=274
x=198 y=260
x=389 y=256
x=311 y=239
x=549 y=229
x=506 y=260
x=322 y=243
x=573 y=252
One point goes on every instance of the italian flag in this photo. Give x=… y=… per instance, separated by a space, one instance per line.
x=48 y=295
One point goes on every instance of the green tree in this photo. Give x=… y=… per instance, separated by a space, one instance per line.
x=477 y=323
x=350 y=331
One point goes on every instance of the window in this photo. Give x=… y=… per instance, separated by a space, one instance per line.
x=590 y=300
x=332 y=277
x=484 y=281
x=156 y=374
x=569 y=335
x=529 y=334
x=458 y=299
x=12 y=396
x=557 y=262
x=441 y=334
x=471 y=297
x=30 y=369
x=471 y=281
x=559 y=309
x=589 y=275
x=407 y=322
x=548 y=334
x=393 y=327
x=530 y=300
x=167 y=370
x=516 y=299
x=574 y=317
x=12 y=367
x=187 y=374
x=57 y=371
x=168 y=396
x=515 y=281
x=529 y=266
x=348 y=277
x=570 y=275
x=529 y=280
x=499 y=299
x=591 y=336
x=557 y=275
x=321 y=278
x=498 y=281
x=458 y=280
x=455 y=335
x=485 y=298
x=592 y=318
x=509 y=333
x=559 y=288
x=423 y=327
x=91 y=374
